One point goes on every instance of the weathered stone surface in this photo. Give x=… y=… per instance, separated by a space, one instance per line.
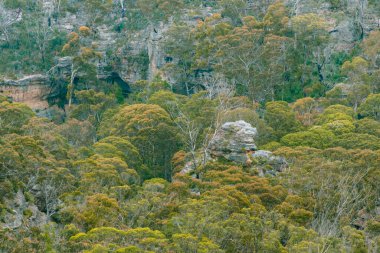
x=32 y=90
x=154 y=51
x=233 y=141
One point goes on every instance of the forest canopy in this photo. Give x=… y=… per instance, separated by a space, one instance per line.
x=190 y=126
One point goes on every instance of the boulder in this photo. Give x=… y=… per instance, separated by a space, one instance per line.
x=233 y=141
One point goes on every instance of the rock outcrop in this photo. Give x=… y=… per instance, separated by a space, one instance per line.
x=32 y=90
x=234 y=141
x=36 y=90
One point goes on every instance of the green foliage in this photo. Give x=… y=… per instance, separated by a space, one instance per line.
x=371 y=107
x=144 y=89
x=315 y=137
x=368 y=126
x=14 y=4
x=13 y=116
x=336 y=112
x=78 y=133
x=355 y=240
x=339 y=127
x=280 y=117
x=151 y=130
x=98 y=174
x=100 y=210
x=97 y=9
x=355 y=140
x=120 y=147
x=26 y=50
x=158 y=10
x=234 y=9
x=190 y=243
x=301 y=216
x=82 y=50
x=337 y=4
x=373 y=227
x=135 y=174
x=143 y=239
x=306 y=110
x=91 y=105
x=167 y=100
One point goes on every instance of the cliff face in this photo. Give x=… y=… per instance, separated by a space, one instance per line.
x=135 y=54
x=348 y=22
x=32 y=90
x=36 y=90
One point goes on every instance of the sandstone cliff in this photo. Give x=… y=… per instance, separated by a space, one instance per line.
x=136 y=54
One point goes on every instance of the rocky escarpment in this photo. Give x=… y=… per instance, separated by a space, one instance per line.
x=32 y=90
x=130 y=55
x=36 y=90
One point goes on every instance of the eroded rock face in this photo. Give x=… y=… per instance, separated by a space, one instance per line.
x=32 y=90
x=233 y=141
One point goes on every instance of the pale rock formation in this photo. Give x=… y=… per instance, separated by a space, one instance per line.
x=32 y=90
x=233 y=141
